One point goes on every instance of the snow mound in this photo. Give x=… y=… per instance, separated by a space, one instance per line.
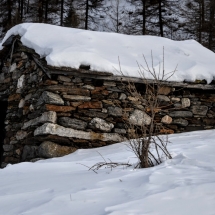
x=183 y=185
x=102 y=51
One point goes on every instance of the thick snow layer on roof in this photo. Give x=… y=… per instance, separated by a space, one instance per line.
x=102 y=51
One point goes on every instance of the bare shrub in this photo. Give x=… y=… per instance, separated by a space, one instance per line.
x=144 y=131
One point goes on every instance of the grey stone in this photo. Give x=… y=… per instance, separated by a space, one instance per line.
x=109 y=83
x=199 y=110
x=174 y=99
x=77 y=98
x=55 y=129
x=101 y=124
x=163 y=98
x=119 y=131
x=63 y=78
x=20 y=135
x=185 y=102
x=72 y=123
x=179 y=114
x=27 y=97
x=7 y=148
x=50 y=116
x=36 y=159
x=52 y=98
x=89 y=87
x=122 y=96
x=139 y=118
x=180 y=121
x=29 y=152
x=16 y=74
x=21 y=103
x=50 y=150
x=24 y=56
x=20 y=83
x=115 y=111
x=178 y=105
x=13 y=67
x=32 y=78
x=2 y=77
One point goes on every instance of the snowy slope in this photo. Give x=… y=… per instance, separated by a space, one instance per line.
x=184 y=185
x=72 y=47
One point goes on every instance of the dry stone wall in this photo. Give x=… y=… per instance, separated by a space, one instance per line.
x=51 y=117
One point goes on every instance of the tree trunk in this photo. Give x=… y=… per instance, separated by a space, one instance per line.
x=144 y=17
x=160 y=18
x=61 y=13
x=40 y=11
x=211 y=23
x=87 y=11
x=46 y=11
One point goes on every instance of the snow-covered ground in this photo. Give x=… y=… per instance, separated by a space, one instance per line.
x=102 y=51
x=184 y=185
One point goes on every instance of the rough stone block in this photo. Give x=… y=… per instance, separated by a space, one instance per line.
x=72 y=123
x=55 y=129
x=139 y=118
x=91 y=105
x=164 y=90
x=50 y=116
x=63 y=78
x=115 y=111
x=52 y=98
x=101 y=124
x=180 y=121
x=29 y=152
x=57 y=108
x=185 y=102
x=199 y=110
x=50 y=150
x=77 y=98
x=166 y=119
x=181 y=114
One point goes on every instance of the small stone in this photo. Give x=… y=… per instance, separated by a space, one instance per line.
x=180 y=121
x=77 y=98
x=21 y=103
x=166 y=119
x=115 y=111
x=7 y=148
x=91 y=105
x=52 y=98
x=122 y=96
x=133 y=99
x=164 y=90
x=174 y=99
x=20 y=82
x=50 y=116
x=109 y=83
x=72 y=123
x=139 y=118
x=89 y=87
x=63 y=78
x=28 y=96
x=29 y=152
x=24 y=56
x=101 y=124
x=181 y=114
x=16 y=74
x=199 y=110
x=20 y=135
x=14 y=97
x=119 y=131
x=50 y=150
x=163 y=98
x=13 y=67
x=166 y=131
x=57 y=108
x=185 y=102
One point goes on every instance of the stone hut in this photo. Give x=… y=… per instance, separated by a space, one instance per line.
x=50 y=112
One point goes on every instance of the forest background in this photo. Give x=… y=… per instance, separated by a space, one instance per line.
x=173 y=19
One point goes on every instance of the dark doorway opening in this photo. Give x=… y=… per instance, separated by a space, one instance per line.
x=3 y=110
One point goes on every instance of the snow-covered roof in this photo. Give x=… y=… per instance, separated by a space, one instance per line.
x=103 y=51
